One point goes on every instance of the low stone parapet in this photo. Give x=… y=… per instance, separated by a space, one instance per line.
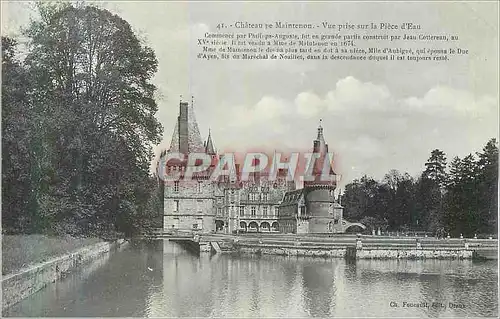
x=27 y=281
x=417 y=253
x=291 y=251
x=357 y=252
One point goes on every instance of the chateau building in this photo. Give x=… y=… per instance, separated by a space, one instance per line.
x=313 y=209
x=256 y=204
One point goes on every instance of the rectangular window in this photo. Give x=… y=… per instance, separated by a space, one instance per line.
x=199 y=187
x=199 y=206
x=264 y=211
x=242 y=211
x=176 y=206
x=219 y=211
x=232 y=210
x=176 y=186
x=195 y=226
x=253 y=211
x=264 y=197
x=276 y=211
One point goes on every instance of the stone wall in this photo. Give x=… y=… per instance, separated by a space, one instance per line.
x=302 y=226
x=17 y=286
x=438 y=253
x=196 y=206
x=291 y=251
x=286 y=218
x=373 y=253
x=320 y=207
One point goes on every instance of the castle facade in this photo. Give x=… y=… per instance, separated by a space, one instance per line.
x=257 y=204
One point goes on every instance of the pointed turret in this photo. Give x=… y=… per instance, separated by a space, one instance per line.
x=209 y=145
x=319 y=145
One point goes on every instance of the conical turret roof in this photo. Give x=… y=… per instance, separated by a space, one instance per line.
x=209 y=147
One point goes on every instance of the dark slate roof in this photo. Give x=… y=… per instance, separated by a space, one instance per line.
x=292 y=197
x=209 y=145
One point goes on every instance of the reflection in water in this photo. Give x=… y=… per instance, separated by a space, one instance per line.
x=162 y=279
x=318 y=288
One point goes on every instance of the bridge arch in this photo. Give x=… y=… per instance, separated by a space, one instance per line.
x=265 y=226
x=352 y=226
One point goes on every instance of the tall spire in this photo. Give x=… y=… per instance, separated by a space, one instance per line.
x=319 y=145
x=320 y=132
x=209 y=145
x=321 y=148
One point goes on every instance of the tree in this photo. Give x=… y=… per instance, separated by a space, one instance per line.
x=19 y=199
x=430 y=191
x=96 y=109
x=488 y=187
x=462 y=205
x=435 y=168
x=365 y=199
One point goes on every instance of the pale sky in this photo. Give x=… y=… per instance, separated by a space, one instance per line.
x=376 y=116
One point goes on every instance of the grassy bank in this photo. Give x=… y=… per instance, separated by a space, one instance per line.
x=19 y=251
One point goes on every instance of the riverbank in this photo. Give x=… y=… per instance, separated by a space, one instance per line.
x=22 y=282
x=21 y=251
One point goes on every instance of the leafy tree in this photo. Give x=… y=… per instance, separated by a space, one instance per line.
x=19 y=200
x=362 y=199
x=95 y=105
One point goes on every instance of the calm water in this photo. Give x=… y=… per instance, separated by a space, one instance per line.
x=164 y=280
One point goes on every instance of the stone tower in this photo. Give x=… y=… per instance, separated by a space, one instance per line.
x=188 y=203
x=319 y=193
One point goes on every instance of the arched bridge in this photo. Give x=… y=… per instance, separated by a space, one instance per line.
x=346 y=225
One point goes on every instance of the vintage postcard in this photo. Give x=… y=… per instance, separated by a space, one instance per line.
x=250 y=159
